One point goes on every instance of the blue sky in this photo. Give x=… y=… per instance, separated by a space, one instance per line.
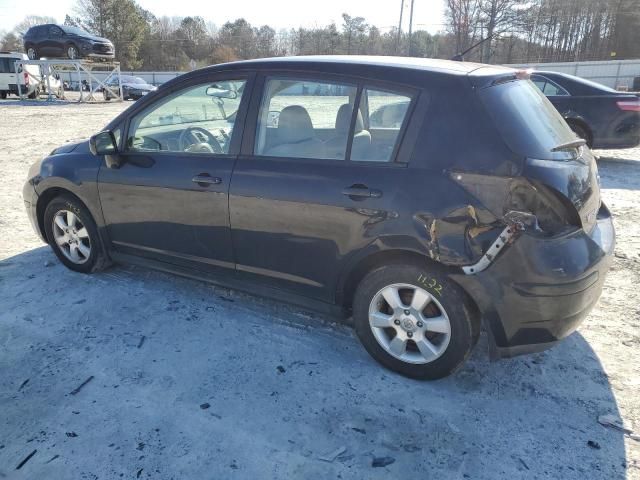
x=428 y=14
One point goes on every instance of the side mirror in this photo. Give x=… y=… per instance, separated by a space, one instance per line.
x=103 y=143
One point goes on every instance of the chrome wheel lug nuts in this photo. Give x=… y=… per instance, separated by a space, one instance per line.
x=407 y=312
x=396 y=321
x=420 y=324
x=409 y=334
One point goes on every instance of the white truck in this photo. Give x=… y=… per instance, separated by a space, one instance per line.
x=31 y=79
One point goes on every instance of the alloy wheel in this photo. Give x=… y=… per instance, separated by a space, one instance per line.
x=409 y=323
x=72 y=52
x=71 y=236
x=31 y=53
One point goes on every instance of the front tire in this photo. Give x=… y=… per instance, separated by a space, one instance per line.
x=581 y=132
x=73 y=235
x=414 y=321
x=72 y=52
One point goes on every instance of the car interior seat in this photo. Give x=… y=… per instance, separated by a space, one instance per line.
x=295 y=135
x=336 y=145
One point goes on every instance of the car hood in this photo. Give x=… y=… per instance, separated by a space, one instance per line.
x=139 y=86
x=93 y=38
x=82 y=146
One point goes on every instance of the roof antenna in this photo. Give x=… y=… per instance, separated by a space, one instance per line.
x=459 y=57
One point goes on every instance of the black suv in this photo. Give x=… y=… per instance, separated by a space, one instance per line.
x=62 y=41
x=424 y=197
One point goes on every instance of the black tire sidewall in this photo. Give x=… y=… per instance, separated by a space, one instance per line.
x=71 y=45
x=452 y=298
x=68 y=203
x=581 y=132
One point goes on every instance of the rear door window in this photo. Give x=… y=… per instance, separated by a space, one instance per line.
x=301 y=118
x=529 y=124
x=386 y=112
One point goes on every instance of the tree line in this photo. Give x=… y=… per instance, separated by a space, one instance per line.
x=502 y=31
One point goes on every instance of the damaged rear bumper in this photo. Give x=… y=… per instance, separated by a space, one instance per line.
x=538 y=290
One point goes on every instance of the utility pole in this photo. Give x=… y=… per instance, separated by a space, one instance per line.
x=410 y=25
x=399 y=28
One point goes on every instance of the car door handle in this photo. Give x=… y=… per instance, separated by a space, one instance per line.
x=204 y=179
x=361 y=191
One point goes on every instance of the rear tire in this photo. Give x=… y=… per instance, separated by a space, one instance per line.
x=3 y=95
x=421 y=342
x=73 y=235
x=32 y=53
x=581 y=132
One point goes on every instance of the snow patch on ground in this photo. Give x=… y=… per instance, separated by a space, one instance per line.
x=195 y=381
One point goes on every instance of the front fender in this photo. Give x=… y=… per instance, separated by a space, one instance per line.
x=75 y=172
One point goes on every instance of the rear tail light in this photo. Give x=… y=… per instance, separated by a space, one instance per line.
x=553 y=212
x=629 y=105
x=26 y=78
x=514 y=200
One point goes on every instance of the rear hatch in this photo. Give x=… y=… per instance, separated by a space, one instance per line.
x=555 y=161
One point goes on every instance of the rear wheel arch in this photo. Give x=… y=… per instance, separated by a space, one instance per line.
x=347 y=288
x=368 y=263
x=581 y=125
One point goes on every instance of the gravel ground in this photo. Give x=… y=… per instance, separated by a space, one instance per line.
x=193 y=381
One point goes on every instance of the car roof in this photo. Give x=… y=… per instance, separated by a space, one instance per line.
x=585 y=86
x=336 y=61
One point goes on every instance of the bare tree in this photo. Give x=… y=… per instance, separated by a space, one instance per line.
x=463 y=18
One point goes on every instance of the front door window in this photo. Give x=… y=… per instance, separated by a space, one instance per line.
x=197 y=120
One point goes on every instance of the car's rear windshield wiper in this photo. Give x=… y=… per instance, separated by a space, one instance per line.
x=578 y=142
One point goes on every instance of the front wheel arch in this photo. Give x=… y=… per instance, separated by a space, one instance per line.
x=45 y=198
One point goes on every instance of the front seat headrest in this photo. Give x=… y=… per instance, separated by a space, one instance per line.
x=294 y=125
x=343 y=119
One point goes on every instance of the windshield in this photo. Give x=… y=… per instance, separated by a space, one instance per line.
x=133 y=80
x=528 y=122
x=75 y=30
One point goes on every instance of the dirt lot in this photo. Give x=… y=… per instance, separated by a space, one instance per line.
x=190 y=381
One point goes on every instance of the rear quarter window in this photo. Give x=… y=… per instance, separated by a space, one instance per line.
x=529 y=124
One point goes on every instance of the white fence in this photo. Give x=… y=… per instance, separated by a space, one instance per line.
x=154 y=78
x=613 y=73
x=617 y=74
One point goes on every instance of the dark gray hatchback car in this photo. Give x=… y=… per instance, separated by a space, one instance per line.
x=427 y=198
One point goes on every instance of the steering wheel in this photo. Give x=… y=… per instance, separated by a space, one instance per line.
x=197 y=139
